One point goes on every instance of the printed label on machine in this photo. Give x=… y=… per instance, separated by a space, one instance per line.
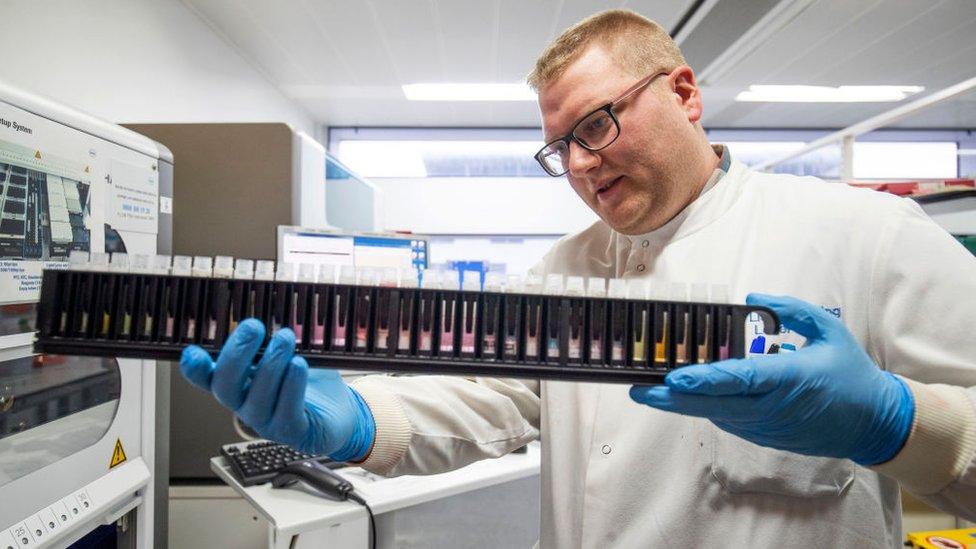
x=132 y=198
x=62 y=192
x=45 y=213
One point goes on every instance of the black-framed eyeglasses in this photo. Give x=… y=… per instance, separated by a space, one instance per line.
x=595 y=131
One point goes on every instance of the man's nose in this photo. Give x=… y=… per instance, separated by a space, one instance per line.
x=581 y=159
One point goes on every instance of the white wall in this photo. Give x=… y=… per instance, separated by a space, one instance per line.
x=482 y=205
x=135 y=61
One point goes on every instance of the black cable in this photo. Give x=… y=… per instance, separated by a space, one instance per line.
x=372 y=521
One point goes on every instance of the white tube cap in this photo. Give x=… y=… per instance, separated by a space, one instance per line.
x=141 y=263
x=244 y=269
x=264 y=269
x=596 y=287
x=472 y=281
x=493 y=282
x=182 y=265
x=120 y=262
x=285 y=272
x=617 y=288
x=223 y=266
x=306 y=272
x=78 y=259
x=161 y=264
x=202 y=266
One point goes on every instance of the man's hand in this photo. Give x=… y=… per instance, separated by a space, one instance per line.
x=313 y=411
x=827 y=399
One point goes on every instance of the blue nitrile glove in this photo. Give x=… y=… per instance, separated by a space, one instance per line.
x=314 y=411
x=827 y=399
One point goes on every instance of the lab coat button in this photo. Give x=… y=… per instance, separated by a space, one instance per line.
x=640 y=268
x=645 y=244
x=607 y=449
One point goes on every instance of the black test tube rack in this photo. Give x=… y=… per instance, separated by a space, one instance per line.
x=153 y=316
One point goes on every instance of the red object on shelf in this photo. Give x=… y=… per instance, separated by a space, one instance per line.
x=914 y=188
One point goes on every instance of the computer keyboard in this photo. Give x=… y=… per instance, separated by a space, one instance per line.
x=259 y=461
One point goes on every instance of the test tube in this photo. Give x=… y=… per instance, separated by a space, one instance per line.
x=86 y=292
x=720 y=294
x=406 y=320
x=77 y=261
x=107 y=289
x=126 y=297
x=241 y=299
x=596 y=288
x=300 y=297
x=341 y=306
x=554 y=287
x=470 y=287
x=363 y=301
x=703 y=323
x=262 y=291
x=142 y=265
x=512 y=318
x=533 y=316
x=386 y=309
x=281 y=296
x=662 y=326
x=202 y=268
x=617 y=292
x=320 y=305
x=218 y=298
x=103 y=288
x=682 y=324
x=637 y=291
x=450 y=283
x=430 y=280
x=492 y=296
x=160 y=266
x=182 y=267
x=575 y=289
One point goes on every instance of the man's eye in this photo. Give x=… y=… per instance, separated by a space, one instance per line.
x=596 y=124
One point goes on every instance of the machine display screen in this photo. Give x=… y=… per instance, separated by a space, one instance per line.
x=299 y=245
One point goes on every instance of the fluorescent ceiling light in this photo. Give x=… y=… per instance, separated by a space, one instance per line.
x=468 y=92
x=827 y=94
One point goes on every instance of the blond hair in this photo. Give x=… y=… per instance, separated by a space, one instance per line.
x=640 y=46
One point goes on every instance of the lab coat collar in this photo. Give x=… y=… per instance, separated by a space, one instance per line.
x=714 y=200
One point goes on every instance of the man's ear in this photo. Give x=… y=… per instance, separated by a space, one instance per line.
x=687 y=92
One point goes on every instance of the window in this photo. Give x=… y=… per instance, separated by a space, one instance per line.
x=419 y=152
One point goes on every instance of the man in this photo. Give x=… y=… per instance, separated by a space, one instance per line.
x=620 y=112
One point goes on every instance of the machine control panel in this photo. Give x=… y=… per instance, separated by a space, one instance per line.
x=43 y=525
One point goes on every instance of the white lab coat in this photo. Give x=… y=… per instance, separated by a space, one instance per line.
x=616 y=473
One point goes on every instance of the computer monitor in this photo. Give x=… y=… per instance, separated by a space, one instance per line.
x=329 y=247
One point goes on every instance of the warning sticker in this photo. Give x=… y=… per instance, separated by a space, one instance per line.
x=118 y=455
